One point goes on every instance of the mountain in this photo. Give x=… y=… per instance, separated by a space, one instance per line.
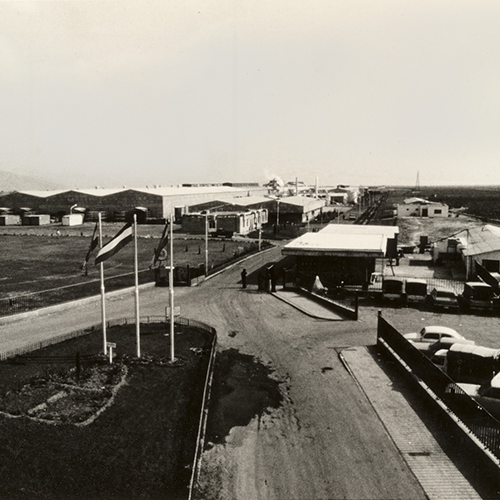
x=15 y=182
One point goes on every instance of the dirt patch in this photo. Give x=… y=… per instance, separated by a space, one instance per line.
x=242 y=389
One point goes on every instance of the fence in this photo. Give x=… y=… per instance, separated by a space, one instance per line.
x=36 y=300
x=482 y=424
x=455 y=285
x=207 y=389
x=183 y=276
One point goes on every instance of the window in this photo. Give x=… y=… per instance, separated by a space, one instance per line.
x=493 y=266
x=437 y=211
x=432 y=336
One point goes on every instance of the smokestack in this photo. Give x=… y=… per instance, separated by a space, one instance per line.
x=296 y=186
x=316 y=189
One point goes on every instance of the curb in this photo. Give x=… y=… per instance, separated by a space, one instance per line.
x=303 y=310
x=6 y=320
x=234 y=264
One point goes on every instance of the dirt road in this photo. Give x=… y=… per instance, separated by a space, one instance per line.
x=324 y=441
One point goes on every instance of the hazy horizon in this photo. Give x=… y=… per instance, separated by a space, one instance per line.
x=353 y=92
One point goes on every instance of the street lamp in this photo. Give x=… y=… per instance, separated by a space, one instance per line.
x=72 y=207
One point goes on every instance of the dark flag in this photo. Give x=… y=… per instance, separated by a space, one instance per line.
x=94 y=242
x=161 y=245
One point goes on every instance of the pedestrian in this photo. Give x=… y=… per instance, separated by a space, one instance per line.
x=244 y=278
x=274 y=279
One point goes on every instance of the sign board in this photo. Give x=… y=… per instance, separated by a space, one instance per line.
x=177 y=311
x=111 y=345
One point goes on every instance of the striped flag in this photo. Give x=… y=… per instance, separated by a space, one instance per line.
x=94 y=242
x=113 y=246
x=161 y=245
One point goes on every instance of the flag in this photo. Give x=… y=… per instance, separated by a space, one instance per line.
x=161 y=245
x=113 y=246
x=93 y=244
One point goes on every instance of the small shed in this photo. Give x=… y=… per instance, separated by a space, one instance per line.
x=36 y=220
x=72 y=220
x=10 y=220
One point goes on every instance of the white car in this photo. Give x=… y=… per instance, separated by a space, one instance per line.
x=487 y=395
x=431 y=334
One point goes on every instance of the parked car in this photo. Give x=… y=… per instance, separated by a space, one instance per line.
x=472 y=364
x=438 y=351
x=416 y=291
x=443 y=298
x=487 y=394
x=432 y=334
x=478 y=295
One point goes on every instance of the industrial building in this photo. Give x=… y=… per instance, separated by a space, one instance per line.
x=475 y=246
x=116 y=204
x=341 y=254
x=289 y=209
x=418 y=207
x=224 y=223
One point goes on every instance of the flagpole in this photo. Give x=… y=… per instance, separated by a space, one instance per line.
x=171 y=291
x=103 y=292
x=206 y=243
x=136 y=273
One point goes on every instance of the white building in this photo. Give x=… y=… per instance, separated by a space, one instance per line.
x=418 y=207
x=475 y=245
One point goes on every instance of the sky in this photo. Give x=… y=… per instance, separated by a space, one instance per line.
x=153 y=92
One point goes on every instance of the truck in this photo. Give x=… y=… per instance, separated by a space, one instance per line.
x=416 y=291
x=477 y=295
x=393 y=289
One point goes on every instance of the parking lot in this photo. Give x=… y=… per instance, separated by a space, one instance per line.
x=483 y=329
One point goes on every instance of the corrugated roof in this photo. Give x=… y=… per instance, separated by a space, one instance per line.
x=43 y=194
x=389 y=231
x=481 y=240
x=375 y=244
x=159 y=191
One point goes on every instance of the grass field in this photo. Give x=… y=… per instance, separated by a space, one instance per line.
x=139 y=447
x=36 y=258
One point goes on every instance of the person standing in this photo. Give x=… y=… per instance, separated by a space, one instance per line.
x=244 y=278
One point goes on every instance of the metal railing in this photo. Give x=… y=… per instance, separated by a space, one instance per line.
x=207 y=390
x=481 y=423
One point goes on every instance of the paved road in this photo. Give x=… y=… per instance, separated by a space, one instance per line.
x=324 y=442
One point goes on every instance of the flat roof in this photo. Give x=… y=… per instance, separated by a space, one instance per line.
x=244 y=201
x=302 y=201
x=347 y=245
x=389 y=231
